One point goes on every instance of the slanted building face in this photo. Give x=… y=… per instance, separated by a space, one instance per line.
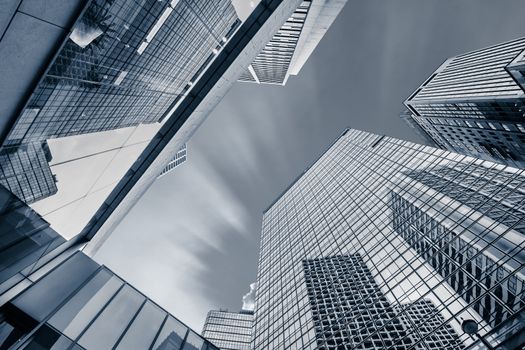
x=409 y=229
x=473 y=104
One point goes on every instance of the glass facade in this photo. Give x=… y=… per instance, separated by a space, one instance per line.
x=378 y=228
x=82 y=305
x=124 y=64
x=349 y=311
x=229 y=330
x=24 y=238
x=473 y=104
x=107 y=92
x=26 y=173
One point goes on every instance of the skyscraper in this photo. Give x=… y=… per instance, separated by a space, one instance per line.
x=229 y=330
x=341 y=208
x=115 y=89
x=423 y=135
x=294 y=42
x=180 y=158
x=112 y=71
x=473 y=104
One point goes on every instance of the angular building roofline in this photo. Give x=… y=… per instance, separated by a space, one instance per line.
x=345 y=131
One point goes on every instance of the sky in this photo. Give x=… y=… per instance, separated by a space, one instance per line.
x=191 y=243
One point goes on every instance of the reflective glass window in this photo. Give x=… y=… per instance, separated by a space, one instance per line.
x=194 y=342
x=171 y=335
x=44 y=296
x=144 y=328
x=73 y=317
x=46 y=338
x=114 y=319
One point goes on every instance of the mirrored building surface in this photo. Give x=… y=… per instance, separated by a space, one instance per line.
x=473 y=104
x=409 y=239
x=349 y=311
x=79 y=304
x=229 y=330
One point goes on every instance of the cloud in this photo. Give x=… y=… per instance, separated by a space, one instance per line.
x=248 y=299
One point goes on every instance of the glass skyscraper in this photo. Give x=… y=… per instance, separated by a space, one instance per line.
x=118 y=89
x=229 y=330
x=124 y=65
x=349 y=311
x=473 y=104
x=409 y=239
x=294 y=42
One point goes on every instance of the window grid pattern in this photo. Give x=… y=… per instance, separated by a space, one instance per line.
x=473 y=104
x=342 y=205
x=474 y=74
x=348 y=307
x=423 y=316
x=229 y=330
x=446 y=253
x=272 y=63
x=26 y=173
x=124 y=64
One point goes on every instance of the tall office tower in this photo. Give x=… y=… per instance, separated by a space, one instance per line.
x=79 y=304
x=180 y=158
x=482 y=193
x=229 y=330
x=473 y=105
x=287 y=52
x=122 y=48
x=342 y=206
x=26 y=173
x=113 y=71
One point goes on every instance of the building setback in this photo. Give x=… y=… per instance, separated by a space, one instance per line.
x=473 y=104
x=342 y=207
x=294 y=42
x=229 y=330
